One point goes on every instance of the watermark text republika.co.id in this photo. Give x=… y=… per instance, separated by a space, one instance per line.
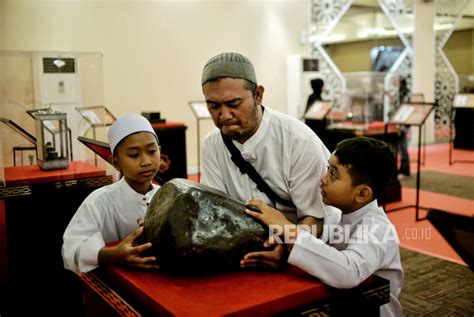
x=336 y=234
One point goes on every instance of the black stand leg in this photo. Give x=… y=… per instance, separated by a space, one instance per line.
x=451 y=141
x=198 y=151
x=418 y=178
x=418 y=181
x=450 y=138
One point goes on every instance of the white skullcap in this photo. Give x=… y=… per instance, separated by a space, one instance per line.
x=126 y=125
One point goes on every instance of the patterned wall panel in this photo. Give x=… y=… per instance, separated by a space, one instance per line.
x=399 y=13
x=324 y=15
x=447 y=15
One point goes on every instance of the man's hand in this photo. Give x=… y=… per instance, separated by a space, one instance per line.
x=273 y=259
x=266 y=214
x=276 y=257
x=312 y=222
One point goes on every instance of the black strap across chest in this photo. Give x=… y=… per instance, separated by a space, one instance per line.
x=247 y=168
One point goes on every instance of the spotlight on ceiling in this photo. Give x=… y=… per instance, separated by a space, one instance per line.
x=59 y=63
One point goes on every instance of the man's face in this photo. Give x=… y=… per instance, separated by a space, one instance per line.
x=233 y=108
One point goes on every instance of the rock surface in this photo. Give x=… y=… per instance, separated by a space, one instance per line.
x=194 y=227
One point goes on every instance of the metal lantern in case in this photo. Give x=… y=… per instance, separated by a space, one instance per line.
x=52 y=139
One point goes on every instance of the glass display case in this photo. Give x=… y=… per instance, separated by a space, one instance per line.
x=97 y=116
x=43 y=177
x=60 y=81
x=367 y=103
x=53 y=139
x=466 y=83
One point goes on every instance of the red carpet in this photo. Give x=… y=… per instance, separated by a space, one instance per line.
x=421 y=236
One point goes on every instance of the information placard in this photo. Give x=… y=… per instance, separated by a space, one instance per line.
x=463 y=101
x=319 y=109
x=97 y=115
x=412 y=113
x=200 y=109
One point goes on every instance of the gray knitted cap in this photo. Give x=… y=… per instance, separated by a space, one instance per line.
x=232 y=65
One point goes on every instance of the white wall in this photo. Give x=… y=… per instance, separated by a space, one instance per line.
x=154 y=51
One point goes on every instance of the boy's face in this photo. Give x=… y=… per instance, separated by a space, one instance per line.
x=138 y=158
x=336 y=187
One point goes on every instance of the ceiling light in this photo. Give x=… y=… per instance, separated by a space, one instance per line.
x=445 y=26
x=59 y=63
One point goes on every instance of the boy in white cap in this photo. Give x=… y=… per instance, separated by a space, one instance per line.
x=111 y=213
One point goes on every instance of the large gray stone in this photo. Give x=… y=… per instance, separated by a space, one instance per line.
x=194 y=227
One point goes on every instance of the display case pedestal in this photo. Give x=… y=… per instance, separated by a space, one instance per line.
x=115 y=291
x=377 y=130
x=35 y=208
x=172 y=138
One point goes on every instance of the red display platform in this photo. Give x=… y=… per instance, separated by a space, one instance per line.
x=255 y=293
x=364 y=129
x=32 y=174
x=37 y=205
x=172 y=139
x=168 y=125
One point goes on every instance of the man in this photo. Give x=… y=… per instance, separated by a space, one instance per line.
x=287 y=154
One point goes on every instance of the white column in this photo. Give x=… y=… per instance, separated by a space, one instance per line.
x=424 y=52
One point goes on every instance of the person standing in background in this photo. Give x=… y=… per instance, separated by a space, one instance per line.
x=317 y=85
x=404 y=170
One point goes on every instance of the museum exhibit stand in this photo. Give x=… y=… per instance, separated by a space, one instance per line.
x=361 y=111
x=413 y=114
x=172 y=138
x=96 y=117
x=463 y=115
x=200 y=112
x=35 y=208
x=317 y=117
x=37 y=202
x=171 y=135
x=45 y=174
x=119 y=291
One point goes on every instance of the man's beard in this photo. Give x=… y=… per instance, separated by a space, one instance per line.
x=236 y=136
x=244 y=135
